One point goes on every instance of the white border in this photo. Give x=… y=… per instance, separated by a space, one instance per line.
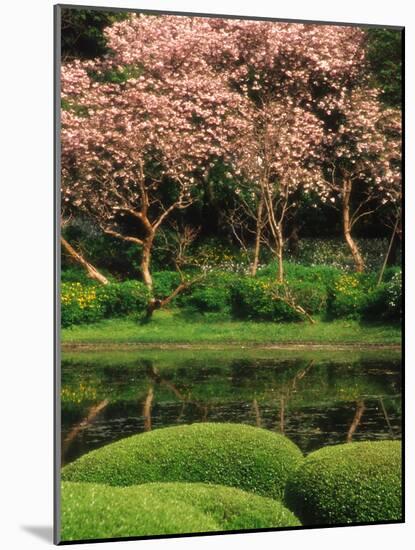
x=26 y=131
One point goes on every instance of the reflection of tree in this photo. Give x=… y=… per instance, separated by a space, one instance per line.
x=385 y=414
x=255 y=408
x=286 y=393
x=282 y=415
x=93 y=412
x=204 y=409
x=147 y=409
x=360 y=409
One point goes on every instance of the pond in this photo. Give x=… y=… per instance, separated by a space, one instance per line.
x=314 y=398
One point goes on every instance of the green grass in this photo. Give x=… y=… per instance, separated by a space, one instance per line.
x=168 y=327
x=235 y=455
x=349 y=483
x=91 y=511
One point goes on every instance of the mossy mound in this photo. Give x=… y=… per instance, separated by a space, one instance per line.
x=230 y=508
x=94 y=511
x=235 y=455
x=350 y=483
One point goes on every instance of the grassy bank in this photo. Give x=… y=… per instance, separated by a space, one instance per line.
x=168 y=327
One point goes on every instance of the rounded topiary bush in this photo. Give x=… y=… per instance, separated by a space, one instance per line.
x=229 y=507
x=350 y=483
x=164 y=508
x=235 y=455
x=95 y=511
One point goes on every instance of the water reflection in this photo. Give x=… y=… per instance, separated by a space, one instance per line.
x=315 y=402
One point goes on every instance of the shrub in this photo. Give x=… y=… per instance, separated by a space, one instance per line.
x=208 y=297
x=165 y=282
x=349 y=483
x=322 y=275
x=87 y=303
x=75 y=275
x=164 y=508
x=308 y=285
x=80 y=304
x=311 y=296
x=91 y=511
x=348 y=296
x=235 y=455
x=385 y=301
x=212 y=295
x=119 y=299
x=253 y=299
x=230 y=508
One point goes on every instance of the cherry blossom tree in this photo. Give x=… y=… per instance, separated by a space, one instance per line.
x=281 y=104
x=132 y=150
x=362 y=159
x=281 y=70
x=278 y=153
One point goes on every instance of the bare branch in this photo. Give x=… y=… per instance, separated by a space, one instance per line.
x=127 y=238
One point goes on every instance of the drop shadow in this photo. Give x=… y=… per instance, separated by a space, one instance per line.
x=43 y=532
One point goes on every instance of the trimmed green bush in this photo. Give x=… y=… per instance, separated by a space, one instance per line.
x=95 y=511
x=236 y=455
x=229 y=507
x=349 y=483
x=164 y=508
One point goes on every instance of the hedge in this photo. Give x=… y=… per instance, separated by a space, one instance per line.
x=253 y=299
x=89 y=302
x=164 y=508
x=212 y=295
x=319 y=290
x=236 y=455
x=349 y=483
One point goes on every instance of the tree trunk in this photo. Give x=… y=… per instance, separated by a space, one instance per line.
x=159 y=303
x=145 y=263
x=89 y=268
x=258 y=236
x=280 y=248
x=357 y=258
x=393 y=254
x=388 y=253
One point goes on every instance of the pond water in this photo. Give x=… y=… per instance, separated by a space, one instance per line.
x=314 y=398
